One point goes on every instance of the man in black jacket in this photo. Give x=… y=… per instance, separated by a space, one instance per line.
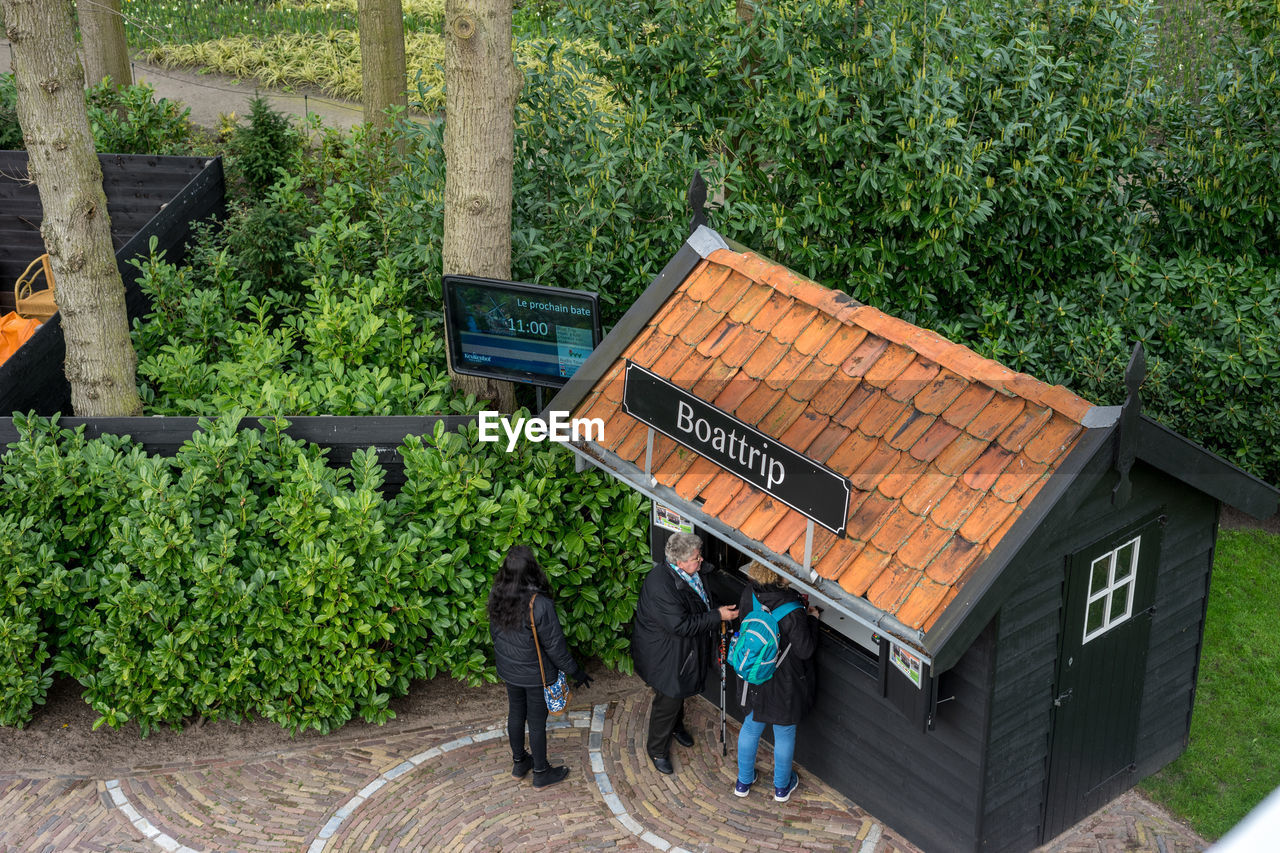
x=672 y=643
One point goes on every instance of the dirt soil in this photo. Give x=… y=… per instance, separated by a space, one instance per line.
x=60 y=740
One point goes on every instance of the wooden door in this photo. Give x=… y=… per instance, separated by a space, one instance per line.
x=1102 y=654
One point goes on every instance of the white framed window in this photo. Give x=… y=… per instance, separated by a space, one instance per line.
x=1111 y=582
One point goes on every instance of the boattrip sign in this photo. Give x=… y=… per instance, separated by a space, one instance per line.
x=808 y=487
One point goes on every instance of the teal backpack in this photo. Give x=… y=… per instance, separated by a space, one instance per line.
x=754 y=653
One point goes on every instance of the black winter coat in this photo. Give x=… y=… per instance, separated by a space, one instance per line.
x=513 y=649
x=788 y=696
x=671 y=642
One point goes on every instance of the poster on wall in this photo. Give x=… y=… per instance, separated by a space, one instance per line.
x=668 y=519
x=907 y=663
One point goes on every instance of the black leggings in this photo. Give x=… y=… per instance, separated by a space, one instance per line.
x=527 y=704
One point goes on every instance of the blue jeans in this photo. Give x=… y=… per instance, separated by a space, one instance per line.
x=784 y=750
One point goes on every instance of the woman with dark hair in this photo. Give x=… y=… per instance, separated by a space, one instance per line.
x=519 y=600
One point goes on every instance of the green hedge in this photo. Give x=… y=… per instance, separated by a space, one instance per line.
x=245 y=577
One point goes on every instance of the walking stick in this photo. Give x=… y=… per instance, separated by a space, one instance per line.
x=724 y=748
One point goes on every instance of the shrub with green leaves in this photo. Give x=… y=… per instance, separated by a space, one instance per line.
x=10 y=130
x=263 y=148
x=245 y=576
x=131 y=120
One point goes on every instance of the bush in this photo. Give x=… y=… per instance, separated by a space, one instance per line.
x=10 y=130
x=130 y=120
x=264 y=148
x=244 y=576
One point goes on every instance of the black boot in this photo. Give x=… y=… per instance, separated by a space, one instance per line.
x=521 y=766
x=550 y=776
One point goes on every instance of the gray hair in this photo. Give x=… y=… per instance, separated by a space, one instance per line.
x=682 y=546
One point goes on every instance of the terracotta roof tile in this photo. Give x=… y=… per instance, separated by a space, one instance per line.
x=925 y=493
x=879 y=323
x=786 y=533
x=764 y=519
x=678 y=312
x=971 y=401
x=772 y=312
x=878 y=463
x=864 y=356
x=1020 y=475
x=714 y=380
x=851 y=453
x=1000 y=532
x=804 y=429
x=894 y=530
x=931 y=345
x=989 y=514
x=913 y=380
x=670 y=467
x=1052 y=440
x=748 y=304
x=699 y=326
x=1024 y=427
x=812 y=385
x=876 y=416
x=723 y=489
x=736 y=290
x=705 y=281
x=835 y=559
x=655 y=344
x=784 y=413
x=922 y=602
x=758 y=404
x=955 y=506
x=890 y=590
x=997 y=415
x=1028 y=387
x=897 y=482
x=764 y=358
x=889 y=366
x=785 y=372
x=638 y=343
x=823 y=541
x=719 y=338
x=986 y=469
x=816 y=335
x=1061 y=400
x=742 y=346
x=957 y=456
x=934 y=441
x=909 y=428
x=826 y=443
x=855 y=399
x=696 y=478
x=866 y=512
x=734 y=392
x=632 y=443
x=941 y=392
x=794 y=323
x=1030 y=494
x=841 y=344
x=810 y=292
x=954 y=561
x=600 y=407
x=858 y=575
x=681 y=364
x=740 y=508
x=924 y=544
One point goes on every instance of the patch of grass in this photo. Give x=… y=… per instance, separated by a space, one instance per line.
x=1233 y=760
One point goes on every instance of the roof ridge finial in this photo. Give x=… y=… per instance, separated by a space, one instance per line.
x=1127 y=432
x=697 y=198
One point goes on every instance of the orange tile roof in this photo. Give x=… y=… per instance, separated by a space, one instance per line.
x=945 y=449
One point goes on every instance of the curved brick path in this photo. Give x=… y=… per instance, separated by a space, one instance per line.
x=448 y=787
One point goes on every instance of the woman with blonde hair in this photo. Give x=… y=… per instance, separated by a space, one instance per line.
x=785 y=698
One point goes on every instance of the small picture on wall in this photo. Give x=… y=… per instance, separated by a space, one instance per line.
x=668 y=519
x=907 y=663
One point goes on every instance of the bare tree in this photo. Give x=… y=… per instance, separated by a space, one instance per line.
x=106 y=53
x=382 y=64
x=100 y=363
x=481 y=87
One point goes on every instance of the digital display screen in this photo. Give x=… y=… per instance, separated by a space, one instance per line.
x=519 y=332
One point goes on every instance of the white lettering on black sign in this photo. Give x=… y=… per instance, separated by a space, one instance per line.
x=799 y=482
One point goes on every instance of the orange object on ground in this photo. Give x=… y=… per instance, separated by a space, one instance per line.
x=14 y=331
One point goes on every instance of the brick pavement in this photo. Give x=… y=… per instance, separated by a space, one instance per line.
x=448 y=787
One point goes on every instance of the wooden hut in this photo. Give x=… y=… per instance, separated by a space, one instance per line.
x=148 y=197
x=1014 y=580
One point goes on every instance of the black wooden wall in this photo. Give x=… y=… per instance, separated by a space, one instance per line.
x=147 y=196
x=1026 y=644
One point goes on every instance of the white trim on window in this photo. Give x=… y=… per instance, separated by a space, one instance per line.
x=1112 y=579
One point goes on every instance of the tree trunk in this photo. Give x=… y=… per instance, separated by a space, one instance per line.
x=100 y=361
x=481 y=86
x=106 y=54
x=382 y=66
